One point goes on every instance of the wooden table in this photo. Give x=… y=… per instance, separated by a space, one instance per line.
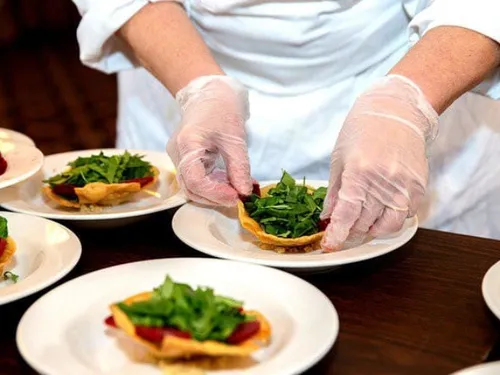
x=418 y=310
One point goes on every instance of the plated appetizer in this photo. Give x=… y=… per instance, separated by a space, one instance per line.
x=7 y=249
x=284 y=216
x=177 y=322
x=100 y=180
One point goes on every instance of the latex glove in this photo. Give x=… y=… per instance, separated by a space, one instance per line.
x=379 y=165
x=214 y=112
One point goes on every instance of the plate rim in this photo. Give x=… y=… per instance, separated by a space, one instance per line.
x=304 y=365
x=471 y=370
x=25 y=176
x=288 y=264
x=26 y=138
x=55 y=277
x=174 y=201
x=487 y=282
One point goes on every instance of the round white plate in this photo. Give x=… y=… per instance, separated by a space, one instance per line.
x=492 y=368
x=217 y=232
x=28 y=198
x=63 y=332
x=16 y=137
x=45 y=253
x=491 y=289
x=23 y=161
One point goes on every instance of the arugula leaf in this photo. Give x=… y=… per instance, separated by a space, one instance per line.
x=10 y=276
x=289 y=210
x=202 y=313
x=4 y=230
x=102 y=168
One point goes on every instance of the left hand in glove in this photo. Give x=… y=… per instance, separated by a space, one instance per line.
x=379 y=166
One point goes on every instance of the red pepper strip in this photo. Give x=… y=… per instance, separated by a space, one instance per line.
x=3 y=164
x=110 y=321
x=322 y=224
x=152 y=334
x=3 y=245
x=243 y=332
x=156 y=334
x=256 y=189
x=65 y=190
x=143 y=181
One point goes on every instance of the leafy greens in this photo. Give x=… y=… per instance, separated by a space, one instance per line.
x=102 y=168
x=4 y=230
x=205 y=315
x=289 y=210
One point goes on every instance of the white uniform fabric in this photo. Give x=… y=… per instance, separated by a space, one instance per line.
x=304 y=63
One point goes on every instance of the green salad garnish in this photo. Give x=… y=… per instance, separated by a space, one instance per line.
x=11 y=276
x=102 y=168
x=289 y=210
x=4 y=230
x=202 y=313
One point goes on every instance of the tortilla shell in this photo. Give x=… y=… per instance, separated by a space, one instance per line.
x=101 y=194
x=254 y=227
x=176 y=347
x=7 y=255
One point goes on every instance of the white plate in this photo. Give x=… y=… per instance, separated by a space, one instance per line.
x=218 y=232
x=16 y=137
x=492 y=368
x=491 y=289
x=45 y=253
x=28 y=198
x=63 y=332
x=23 y=161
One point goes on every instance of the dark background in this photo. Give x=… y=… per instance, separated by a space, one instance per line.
x=45 y=91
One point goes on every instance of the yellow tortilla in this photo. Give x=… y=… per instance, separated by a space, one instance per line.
x=101 y=194
x=254 y=227
x=7 y=255
x=176 y=347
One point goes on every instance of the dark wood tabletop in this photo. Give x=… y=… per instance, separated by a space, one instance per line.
x=418 y=310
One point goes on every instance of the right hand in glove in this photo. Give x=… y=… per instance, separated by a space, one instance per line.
x=214 y=112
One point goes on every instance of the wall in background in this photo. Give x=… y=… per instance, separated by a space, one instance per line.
x=19 y=19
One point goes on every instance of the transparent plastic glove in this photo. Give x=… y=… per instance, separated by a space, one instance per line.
x=209 y=149
x=379 y=166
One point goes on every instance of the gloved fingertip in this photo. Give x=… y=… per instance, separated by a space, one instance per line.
x=243 y=186
x=325 y=214
x=330 y=247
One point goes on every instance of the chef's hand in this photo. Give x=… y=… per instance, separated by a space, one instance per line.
x=214 y=112
x=379 y=166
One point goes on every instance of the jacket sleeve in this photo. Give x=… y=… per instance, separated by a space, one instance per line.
x=100 y=48
x=481 y=16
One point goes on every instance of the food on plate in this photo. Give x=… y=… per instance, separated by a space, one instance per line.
x=3 y=164
x=11 y=276
x=284 y=216
x=7 y=246
x=101 y=180
x=177 y=322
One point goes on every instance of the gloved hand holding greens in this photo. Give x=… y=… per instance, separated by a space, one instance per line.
x=285 y=214
x=177 y=321
x=100 y=180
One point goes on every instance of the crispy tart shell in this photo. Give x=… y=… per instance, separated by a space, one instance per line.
x=254 y=227
x=176 y=347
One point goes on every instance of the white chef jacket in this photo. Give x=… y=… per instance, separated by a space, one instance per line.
x=304 y=63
